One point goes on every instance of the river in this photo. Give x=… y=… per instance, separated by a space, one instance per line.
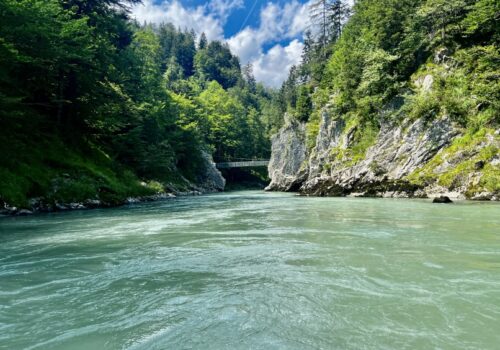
x=253 y=270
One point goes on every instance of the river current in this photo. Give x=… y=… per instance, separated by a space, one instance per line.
x=254 y=270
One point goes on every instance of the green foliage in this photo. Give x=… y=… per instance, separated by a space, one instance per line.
x=225 y=121
x=375 y=73
x=424 y=105
x=155 y=186
x=328 y=16
x=177 y=46
x=216 y=62
x=111 y=102
x=463 y=156
x=442 y=18
x=364 y=135
x=304 y=103
x=468 y=93
x=43 y=166
x=312 y=130
x=481 y=22
x=375 y=78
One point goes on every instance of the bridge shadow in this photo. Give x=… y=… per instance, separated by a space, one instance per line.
x=245 y=178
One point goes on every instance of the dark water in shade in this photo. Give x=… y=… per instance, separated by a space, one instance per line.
x=253 y=270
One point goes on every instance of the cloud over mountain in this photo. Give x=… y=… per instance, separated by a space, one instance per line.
x=272 y=45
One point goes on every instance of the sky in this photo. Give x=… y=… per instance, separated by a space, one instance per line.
x=267 y=34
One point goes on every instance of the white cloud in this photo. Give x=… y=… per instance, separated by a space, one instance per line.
x=222 y=8
x=300 y=20
x=278 y=24
x=174 y=12
x=246 y=44
x=273 y=66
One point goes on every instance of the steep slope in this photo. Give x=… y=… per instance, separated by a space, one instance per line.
x=287 y=167
x=98 y=110
x=399 y=117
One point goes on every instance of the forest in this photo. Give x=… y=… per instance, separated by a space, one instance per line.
x=93 y=103
x=360 y=64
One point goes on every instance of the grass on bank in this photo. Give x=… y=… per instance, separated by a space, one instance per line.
x=44 y=166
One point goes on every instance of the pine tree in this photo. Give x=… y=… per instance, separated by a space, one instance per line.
x=203 y=42
x=318 y=12
x=247 y=72
x=440 y=15
x=304 y=103
x=338 y=14
x=328 y=16
x=307 y=50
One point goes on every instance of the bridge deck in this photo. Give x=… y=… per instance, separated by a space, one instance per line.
x=245 y=164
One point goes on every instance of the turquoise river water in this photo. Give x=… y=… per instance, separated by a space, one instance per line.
x=254 y=270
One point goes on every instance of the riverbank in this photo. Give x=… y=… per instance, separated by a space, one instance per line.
x=38 y=206
x=52 y=176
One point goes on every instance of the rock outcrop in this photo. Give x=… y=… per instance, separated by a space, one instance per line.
x=288 y=153
x=392 y=166
x=398 y=151
x=211 y=179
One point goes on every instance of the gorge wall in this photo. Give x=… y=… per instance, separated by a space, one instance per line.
x=403 y=102
x=406 y=158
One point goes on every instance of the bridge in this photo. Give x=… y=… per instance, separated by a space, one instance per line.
x=243 y=164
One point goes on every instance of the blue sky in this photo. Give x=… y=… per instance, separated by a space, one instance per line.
x=266 y=33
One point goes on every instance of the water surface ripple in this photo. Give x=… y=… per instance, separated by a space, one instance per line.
x=253 y=270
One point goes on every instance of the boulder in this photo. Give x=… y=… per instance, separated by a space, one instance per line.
x=61 y=206
x=442 y=199
x=75 y=206
x=93 y=203
x=24 y=212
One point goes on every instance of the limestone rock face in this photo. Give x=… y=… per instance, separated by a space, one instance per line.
x=425 y=83
x=329 y=137
x=385 y=169
x=468 y=185
x=211 y=179
x=287 y=168
x=398 y=151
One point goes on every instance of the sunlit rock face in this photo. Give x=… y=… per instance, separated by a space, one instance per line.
x=387 y=168
x=211 y=179
x=287 y=168
x=397 y=152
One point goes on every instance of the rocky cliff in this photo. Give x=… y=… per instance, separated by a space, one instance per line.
x=410 y=158
x=287 y=168
x=211 y=179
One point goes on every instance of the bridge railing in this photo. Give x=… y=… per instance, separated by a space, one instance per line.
x=242 y=164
